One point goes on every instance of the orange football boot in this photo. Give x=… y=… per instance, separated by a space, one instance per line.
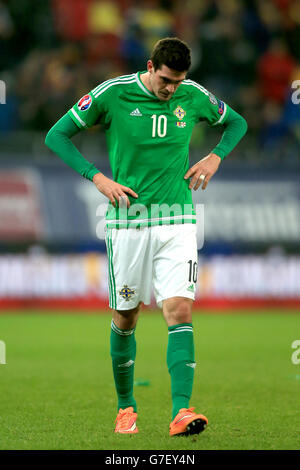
x=186 y=422
x=126 y=421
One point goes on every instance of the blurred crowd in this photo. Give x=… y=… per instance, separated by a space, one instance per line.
x=245 y=51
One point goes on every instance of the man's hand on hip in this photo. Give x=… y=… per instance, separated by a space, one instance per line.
x=112 y=190
x=202 y=171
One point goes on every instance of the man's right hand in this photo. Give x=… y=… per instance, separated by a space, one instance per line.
x=112 y=190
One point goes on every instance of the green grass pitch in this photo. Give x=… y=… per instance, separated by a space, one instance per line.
x=57 y=392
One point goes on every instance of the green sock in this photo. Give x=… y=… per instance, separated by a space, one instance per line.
x=123 y=352
x=181 y=364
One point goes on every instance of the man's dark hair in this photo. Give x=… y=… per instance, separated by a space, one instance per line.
x=173 y=53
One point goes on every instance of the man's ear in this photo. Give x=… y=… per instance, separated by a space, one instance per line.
x=150 y=66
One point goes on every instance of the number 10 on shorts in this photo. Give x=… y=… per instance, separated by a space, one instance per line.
x=193 y=270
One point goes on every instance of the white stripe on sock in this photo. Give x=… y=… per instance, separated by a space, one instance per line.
x=181 y=329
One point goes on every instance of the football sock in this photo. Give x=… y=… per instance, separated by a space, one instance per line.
x=123 y=352
x=181 y=364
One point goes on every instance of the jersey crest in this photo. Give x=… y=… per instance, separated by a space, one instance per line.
x=126 y=292
x=179 y=112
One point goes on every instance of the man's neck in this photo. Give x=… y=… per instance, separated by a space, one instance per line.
x=145 y=79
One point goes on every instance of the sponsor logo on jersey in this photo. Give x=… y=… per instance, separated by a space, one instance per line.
x=179 y=112
x=126 y=292
x=85 y=102
x=180 y=124
x=221 y=107
x=136 y=112
x=212 y=98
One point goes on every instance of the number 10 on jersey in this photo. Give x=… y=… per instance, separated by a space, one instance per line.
x=159 y=126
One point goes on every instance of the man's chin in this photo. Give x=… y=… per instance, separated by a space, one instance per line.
x=163 y=97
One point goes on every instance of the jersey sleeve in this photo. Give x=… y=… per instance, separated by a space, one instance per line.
x=209 y=108
x=88 y=111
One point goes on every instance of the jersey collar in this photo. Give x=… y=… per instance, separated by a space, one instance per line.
x=142 y=86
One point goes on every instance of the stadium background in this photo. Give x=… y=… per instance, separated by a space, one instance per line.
x=52 y=52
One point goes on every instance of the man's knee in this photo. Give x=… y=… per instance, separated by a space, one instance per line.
x=177 y=310
x=126 y=319
x=130 y=312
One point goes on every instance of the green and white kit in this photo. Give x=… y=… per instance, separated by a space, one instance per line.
x=153 y=244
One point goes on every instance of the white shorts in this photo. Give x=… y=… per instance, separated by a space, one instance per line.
x=161 y=257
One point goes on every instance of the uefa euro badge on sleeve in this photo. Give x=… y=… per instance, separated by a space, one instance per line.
x=126 y=292
x=84 y=103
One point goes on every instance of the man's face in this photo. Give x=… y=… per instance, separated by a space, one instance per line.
x=164 y=81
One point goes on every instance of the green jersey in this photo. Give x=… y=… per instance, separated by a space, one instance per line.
x=148 y=144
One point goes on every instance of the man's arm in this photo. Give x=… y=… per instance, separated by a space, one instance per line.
x=59 y=141
x=235 y=128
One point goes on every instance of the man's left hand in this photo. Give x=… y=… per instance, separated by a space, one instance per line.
x=202 y=171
